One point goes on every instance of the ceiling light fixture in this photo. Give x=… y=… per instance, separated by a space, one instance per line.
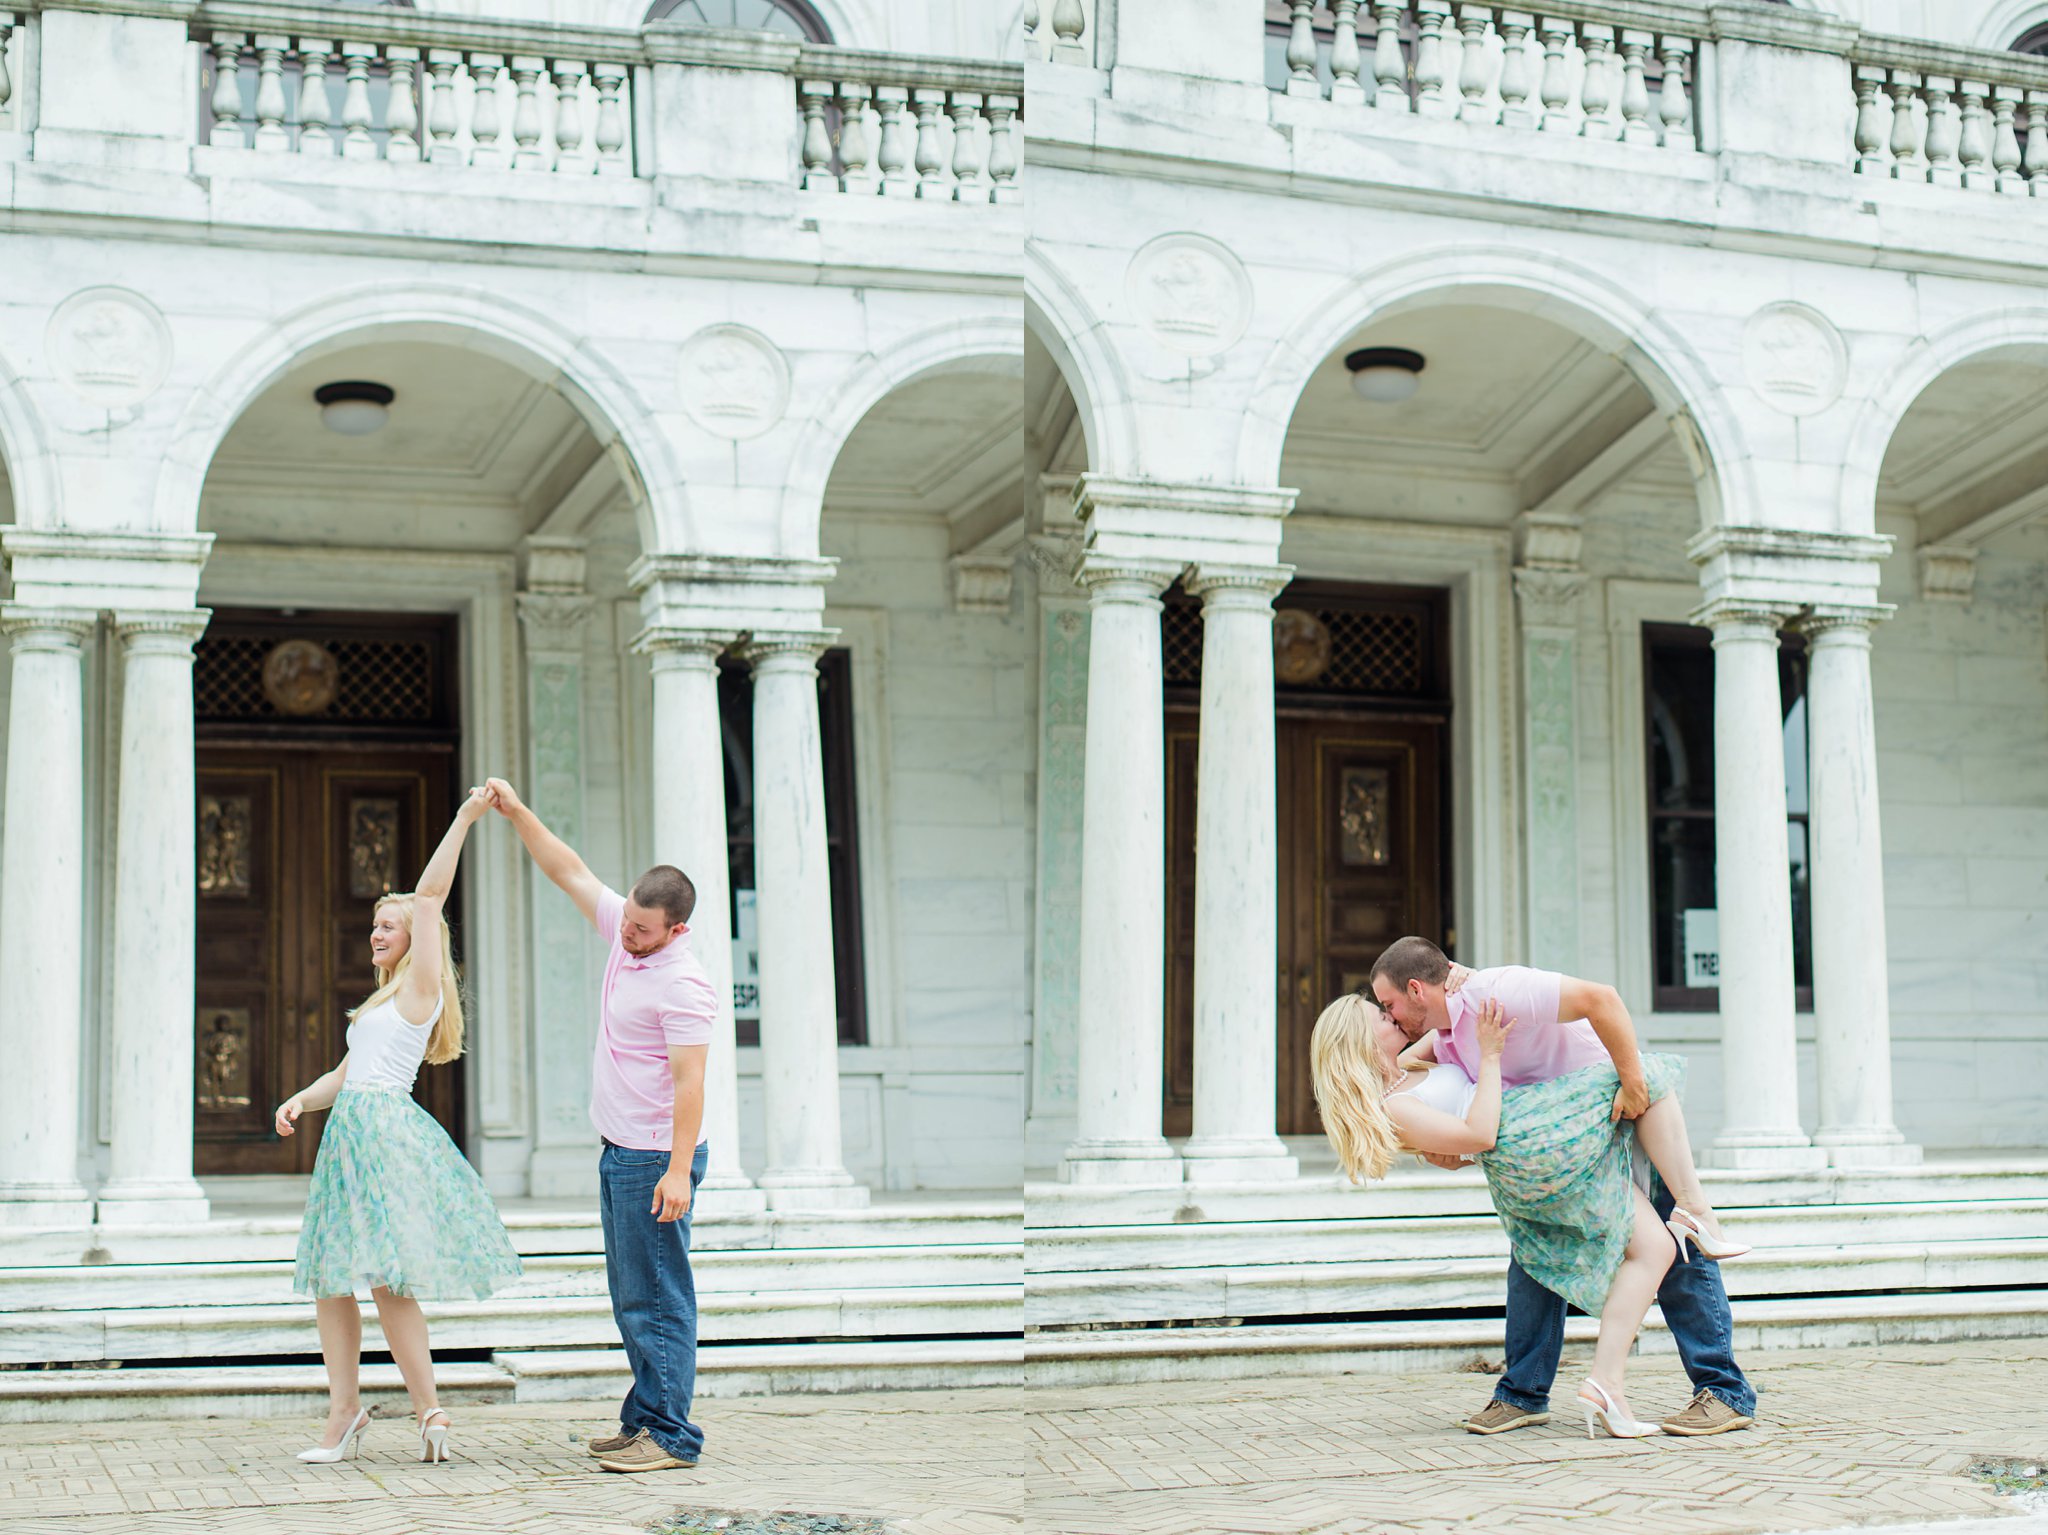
x=354 y=408
x=1385 y=375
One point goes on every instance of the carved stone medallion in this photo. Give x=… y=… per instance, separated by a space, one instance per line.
x=110 y=347
x=1301 y=646
x=1794 y=358
x=735 y=382
x=1190 y=294
x=300 y=677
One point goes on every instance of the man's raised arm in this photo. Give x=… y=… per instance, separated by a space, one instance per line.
x=557 y=860
x=1601 y=1006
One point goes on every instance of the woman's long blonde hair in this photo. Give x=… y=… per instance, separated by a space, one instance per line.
x=1350 y=1078
x=445 y=1043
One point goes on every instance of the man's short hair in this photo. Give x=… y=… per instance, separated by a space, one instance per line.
x=669 y=888
x=1410 y=959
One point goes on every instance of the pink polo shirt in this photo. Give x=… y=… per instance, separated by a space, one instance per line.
x=1540 y=1047
x=648 y=1004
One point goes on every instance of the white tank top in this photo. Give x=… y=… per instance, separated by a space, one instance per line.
x=384 y=1051
x=1443 y=1088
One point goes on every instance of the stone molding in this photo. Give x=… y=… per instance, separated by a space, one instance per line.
x=1735 y=619
x=1107 y=580
x=1550 y=540
x=1782 y=567
x=729 y=570
x=170 y=633
x=1786 y=28
x=1248 y=588
x=63 y=630
x=982 y=583
x=786 y=650
x=1948 y=572
x=670 y=647
x=105 y=570
x=1153 y=519
x=1843 y=625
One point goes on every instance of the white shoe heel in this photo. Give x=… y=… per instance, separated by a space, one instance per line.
x=434 y=1436
x=1685 y=1227
x=351 y=1442
x=1619 y=1425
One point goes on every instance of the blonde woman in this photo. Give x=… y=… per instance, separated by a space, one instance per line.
x=1556 y=1158
x=393 y=1206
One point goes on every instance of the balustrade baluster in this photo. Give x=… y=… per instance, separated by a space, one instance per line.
x=444 y=117
x=1474 y=75
x=1431 y=99
x=1344 y=57
x=964 y=107
x=271 y=134
x=6 y=80
x=1974 y=146
x=2034 y=158
x=1003 y=158
x=2005 y=143
x=487 y=117
x=1908 y=163
x=1674 y=106
x=569 y=157
x=402 y=109
x=1301 y=50
x=1557 y=76
x=1516 y=78
x=1944 y=133
x=1389 y=67
x=931 y=165
x=817 y=141
x=1069 y=21
x=854 y=154
x=356 y=142
x=526 y=73
x=316 y=104
x=610 y=138
x=892 y=157
x=1636 y=127
x=1031 y=28
x=226 y=101
x=1596 y=89
x=1872 y=121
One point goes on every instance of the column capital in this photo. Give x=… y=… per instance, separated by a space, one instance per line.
x=1236 y=586
x=554 y=620
x=1548 y=595
x=39 y=628
x=1842 y=625
x=1739 y=618
x=785 y=650
x=165 y=632
x=670 y=646
x=1107 y=578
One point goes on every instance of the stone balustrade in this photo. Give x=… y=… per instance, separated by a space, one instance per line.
x=1614 y=72
x=889 y=125
x=1953 y=117
x=1058 y=31
x=9 y=26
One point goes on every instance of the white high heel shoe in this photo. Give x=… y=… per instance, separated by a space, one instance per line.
x=1686 y=1227
x=434 y=1436
x=328 y=1454
x=1619 y=1425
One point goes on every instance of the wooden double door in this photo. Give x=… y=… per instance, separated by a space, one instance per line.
x=296 y=842
x=1361 y=859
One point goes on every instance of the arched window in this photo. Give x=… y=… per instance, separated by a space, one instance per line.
x=2034 y=40
x=792 y=18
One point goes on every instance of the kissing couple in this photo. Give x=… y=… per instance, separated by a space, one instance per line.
x=1538 y=1077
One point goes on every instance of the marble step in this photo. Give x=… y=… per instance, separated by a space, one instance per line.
x=1159 y=1354
x=196 y=1332
x=111 y=1286
x=595 y=1377
x=1216 y=1243
x=1408 y=1285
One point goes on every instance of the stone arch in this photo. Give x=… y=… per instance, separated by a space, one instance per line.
x=1061 y=319
x=25 y=455
x=852 y=23
x=452 y=314
x=1580 y=300
x=2007 y=22
x=1925 y=359
x=964 y=344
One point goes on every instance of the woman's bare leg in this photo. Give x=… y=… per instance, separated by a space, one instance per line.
x=1661 y=1130
x=341 y=1346
x=405 y=1333
x=1643 y=1266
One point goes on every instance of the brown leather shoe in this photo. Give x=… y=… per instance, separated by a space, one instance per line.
x=1497 y=1417
x=1706 y=1413
x=641 y=1454
x=609 y=1446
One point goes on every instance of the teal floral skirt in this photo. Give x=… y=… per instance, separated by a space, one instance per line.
x=393 y=1203
x=1560 y=1176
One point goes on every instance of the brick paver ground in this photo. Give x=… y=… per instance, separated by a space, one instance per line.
x=1847 y=1437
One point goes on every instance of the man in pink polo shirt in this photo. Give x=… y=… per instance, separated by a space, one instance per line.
x=655 y=1012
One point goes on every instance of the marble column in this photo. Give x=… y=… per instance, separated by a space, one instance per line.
x=1851 y=976
x=1548 y=599
x=1753 y=895
x=690 y=832
x=42 y=894
x=799 y=1009
x=1123 y=877
x=1237 y=883
x=154 y=952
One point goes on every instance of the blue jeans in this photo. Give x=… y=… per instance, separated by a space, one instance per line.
x=1695 y=1308
x=654 y=1298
